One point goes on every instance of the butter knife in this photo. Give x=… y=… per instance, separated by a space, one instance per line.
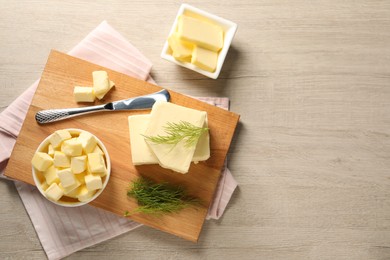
x=136 y=103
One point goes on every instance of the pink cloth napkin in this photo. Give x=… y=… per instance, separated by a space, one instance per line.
x=63 y=231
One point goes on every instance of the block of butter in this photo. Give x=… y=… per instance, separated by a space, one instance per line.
x=101 y=83
x=181 y=50
x=201 y=33
x=204 y=59
x=179 y=156
x=141 y=152
x=84 y=94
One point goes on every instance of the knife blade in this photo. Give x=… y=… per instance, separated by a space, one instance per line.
x=135 y=103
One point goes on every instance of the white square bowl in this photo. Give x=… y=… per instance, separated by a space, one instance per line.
x=228 y=27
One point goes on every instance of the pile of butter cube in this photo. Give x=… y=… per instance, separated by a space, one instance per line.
x=176 y=157
x=197 y=41
x=101 y=86
x=71 y=167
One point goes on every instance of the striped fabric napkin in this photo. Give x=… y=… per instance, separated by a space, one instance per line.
x=63 y=231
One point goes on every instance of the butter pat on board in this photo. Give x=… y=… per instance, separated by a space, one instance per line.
x=176 y=157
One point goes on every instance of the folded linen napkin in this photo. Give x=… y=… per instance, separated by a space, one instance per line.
x=61 y=230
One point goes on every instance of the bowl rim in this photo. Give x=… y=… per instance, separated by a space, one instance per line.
x=45 y=142
x=228 y=38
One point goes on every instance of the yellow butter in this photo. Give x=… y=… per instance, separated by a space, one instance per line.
x=84 y=194
x=78 y=164
x=54 y=192
x=204 y=59
x=176 y=157
x=67 y=178
x=181 y=50
x=101 y=83
x=41 y=161
x=72 y=147
x=58 y=137
x=84 y=94
x=96 y=164
x=88 y=142
x=141 y=152
x=93 y=182
x=51 y=175
x=61 y=160
x=201 y=33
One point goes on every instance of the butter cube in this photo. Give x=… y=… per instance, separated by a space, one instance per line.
x=84 y=194
x=41 y=161
x=101 y=84
x=67 y=178
x=58 y=137
x=88 y=142
x=204 y=59
x=80 y=177
x=78 y=164
x=96 y=163
x=97 y=150
x=84 y=94
x=50 y=150
x=93 y=182
x=178 y=157
x=181 y=50
x=70 y=189
x=61 y=160
x=201 y=33
x=111 y=84
x=51 y=175
x=54 y=192
x=44 y=186
x=72 y=147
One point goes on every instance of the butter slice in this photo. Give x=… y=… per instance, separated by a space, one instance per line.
x=182 y=50
x=204 y=59
x=58 y=137
x=201 y=33
x=141 y=152
x=41 y=161
x=54 y=192
x=101 y=83
x=67 y=178
x=84 y=94
x=72 y=147
x=175 y=157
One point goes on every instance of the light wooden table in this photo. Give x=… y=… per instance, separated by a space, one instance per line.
x=311 y=80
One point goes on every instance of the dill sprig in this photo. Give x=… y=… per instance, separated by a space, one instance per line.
x=177 y=132
x=158 y=198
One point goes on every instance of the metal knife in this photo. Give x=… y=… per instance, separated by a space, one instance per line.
x=136 y=103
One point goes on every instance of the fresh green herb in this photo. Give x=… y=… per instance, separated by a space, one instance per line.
x=177 y=132
x=158 y=198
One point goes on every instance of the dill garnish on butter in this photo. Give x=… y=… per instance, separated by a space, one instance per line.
x=177 y=132
x=158 y=198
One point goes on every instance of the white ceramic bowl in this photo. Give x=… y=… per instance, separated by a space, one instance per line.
x=228 y=27
x=68 y=202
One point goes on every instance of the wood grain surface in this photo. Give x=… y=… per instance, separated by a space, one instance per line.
x=310 y=80
x=55 y=90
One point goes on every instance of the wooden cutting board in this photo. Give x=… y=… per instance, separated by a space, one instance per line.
x=55 y=90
